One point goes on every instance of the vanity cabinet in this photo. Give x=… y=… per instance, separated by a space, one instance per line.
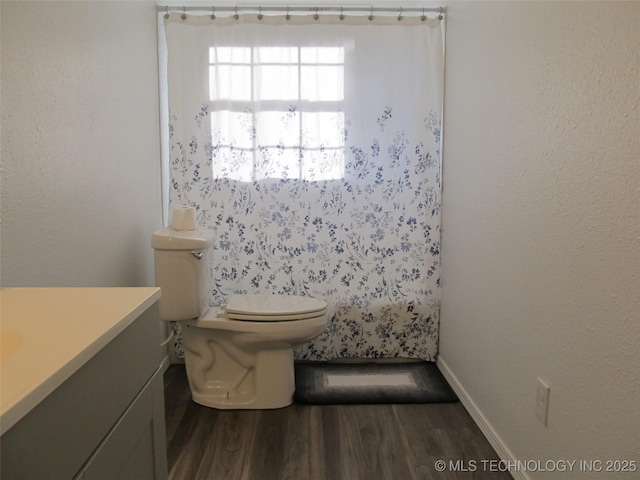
x=105 y=421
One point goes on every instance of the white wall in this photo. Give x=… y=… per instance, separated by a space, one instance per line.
x=541 y=224
x=80 y=143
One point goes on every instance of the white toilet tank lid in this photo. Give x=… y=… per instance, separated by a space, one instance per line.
x=268 y=305
x=169 y=239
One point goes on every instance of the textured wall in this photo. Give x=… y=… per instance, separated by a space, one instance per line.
x=541 y=223
x=80 y=147
x=540 y=213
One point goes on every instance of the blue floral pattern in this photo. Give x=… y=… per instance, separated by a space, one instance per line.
x=368 y=243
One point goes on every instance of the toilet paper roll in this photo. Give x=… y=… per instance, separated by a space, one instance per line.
x=177 y=215
x=189 y=219
x=183 y=218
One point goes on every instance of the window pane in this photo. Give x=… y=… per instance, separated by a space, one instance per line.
x=276 y=82
x=277 y=162
x=278 y=128
x=323 y=128
x=233 y=129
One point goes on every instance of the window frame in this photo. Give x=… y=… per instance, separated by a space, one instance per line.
x=296 y=108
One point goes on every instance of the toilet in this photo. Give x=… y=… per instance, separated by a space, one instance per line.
x=238 y=355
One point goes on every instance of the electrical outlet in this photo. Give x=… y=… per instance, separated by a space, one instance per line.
x=542 y=401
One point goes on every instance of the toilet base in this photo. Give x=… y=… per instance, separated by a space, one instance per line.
x=226 y=380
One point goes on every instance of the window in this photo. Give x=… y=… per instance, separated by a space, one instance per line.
x=277 y=112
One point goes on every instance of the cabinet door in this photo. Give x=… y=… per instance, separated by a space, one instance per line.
x=131 y=451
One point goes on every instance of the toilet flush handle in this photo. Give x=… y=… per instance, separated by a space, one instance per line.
x=198 y=255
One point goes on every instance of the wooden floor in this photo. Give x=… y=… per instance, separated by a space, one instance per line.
x=321 y=442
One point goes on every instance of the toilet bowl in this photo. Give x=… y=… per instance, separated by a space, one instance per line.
x=240 y=355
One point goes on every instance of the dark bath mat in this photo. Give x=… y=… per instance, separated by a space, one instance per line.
x=349 y=383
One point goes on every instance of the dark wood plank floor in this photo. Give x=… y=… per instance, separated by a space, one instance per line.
x=321 y=442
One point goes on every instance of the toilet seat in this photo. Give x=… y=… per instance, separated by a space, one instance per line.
x=217 y=319
x=273 y=308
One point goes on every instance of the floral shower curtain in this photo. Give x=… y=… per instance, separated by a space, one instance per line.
x=311 y=148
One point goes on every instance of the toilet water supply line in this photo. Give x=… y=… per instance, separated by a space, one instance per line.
x=168 y=340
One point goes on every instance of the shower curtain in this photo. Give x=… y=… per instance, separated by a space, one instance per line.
x=311 y=148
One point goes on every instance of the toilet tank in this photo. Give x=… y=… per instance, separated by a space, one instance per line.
x=182 y=260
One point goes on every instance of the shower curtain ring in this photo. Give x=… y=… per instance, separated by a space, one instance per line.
x=287 y=16
x=213 y=12
x=400 y=15
x=440 y=17
x=423 y=17
x=236 y=16
x=166 y=15
x=316 y=16
x=260 y=13
x=184 y=13
x=341 y=13
x=371 y=14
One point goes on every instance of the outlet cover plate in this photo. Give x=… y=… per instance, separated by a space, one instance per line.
x=542 y=401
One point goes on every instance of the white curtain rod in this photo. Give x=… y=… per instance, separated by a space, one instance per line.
x=317 y=10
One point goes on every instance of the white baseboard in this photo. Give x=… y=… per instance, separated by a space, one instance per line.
x=483 y=424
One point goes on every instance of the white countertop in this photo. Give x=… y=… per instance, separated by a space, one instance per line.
x=47 y=334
